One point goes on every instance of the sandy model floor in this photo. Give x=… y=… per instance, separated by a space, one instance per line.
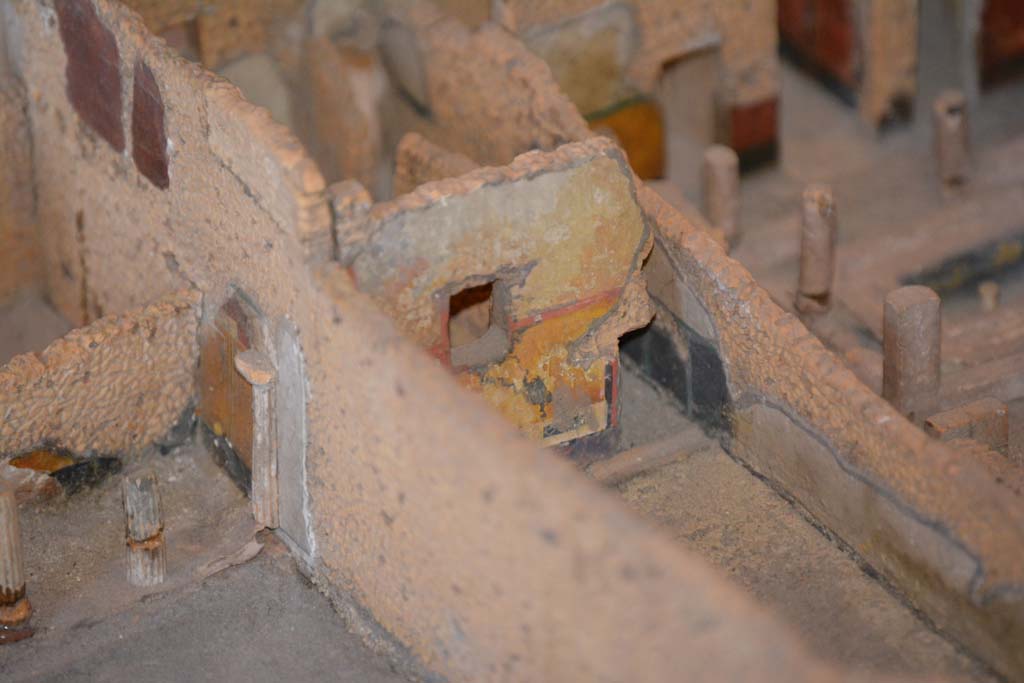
x=221 y=615
x=716 y=507
x=212 y=620
x=260 y=620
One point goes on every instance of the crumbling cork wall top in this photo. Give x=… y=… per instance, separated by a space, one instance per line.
x=487 y=96
x=115 y=386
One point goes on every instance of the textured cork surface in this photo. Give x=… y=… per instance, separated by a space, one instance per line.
x=345 y=88
x=561 y=238
x=437 y=534
x=20 y=265
x=743 y=31
x=805 y=422
x=419 y=161
x=468 y=113
x=115 y=386
x=890 y=30
x=428 y=509
x=224 y=29
x=240 y=188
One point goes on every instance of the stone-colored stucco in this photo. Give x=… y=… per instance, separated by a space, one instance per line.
x=20 y=264
x=114 y=386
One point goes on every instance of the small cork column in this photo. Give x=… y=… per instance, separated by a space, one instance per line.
x=911 y=341
x=817 y=250
x=259 y=371
x=144 y=529
x=949 y=119
x=15 y=609
x=988 y=294
x=720 y=187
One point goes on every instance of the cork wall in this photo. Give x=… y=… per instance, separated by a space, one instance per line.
x=890 y=29
x=487 y=557
x=865 y=50
x=115 y=386
x=419 y=161
x=20 y=265
x=428 y=510
x=456 y=100
x=795 y=414
x=744 y=31
x=218 y=30
x=559 y=238
x=604 y=55
x=182 y=184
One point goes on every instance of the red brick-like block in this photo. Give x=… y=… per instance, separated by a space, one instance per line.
x=149 y=141
x=1001 y=40
x=753 y=131
x=93 y=69
x=822 y=35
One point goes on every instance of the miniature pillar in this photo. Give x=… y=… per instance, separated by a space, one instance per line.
x=817 y=250
x=258 y=370
x=911 y=339
x=15 y=609
x=988 y=293
x=949 y=118
x=720 y=184
x=144 y=529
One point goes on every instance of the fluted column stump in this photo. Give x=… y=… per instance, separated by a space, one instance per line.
x=144 y=529
x=15 y=609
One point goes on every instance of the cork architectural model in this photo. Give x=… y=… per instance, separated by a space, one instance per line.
x=583 y=340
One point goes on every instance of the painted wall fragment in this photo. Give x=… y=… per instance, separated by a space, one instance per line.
x=521 y=279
